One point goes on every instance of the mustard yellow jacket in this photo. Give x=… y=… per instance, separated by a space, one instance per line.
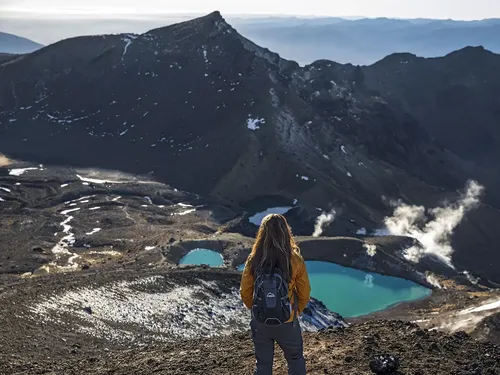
x=298 y=283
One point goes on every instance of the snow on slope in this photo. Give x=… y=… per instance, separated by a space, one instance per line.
x=155 y=309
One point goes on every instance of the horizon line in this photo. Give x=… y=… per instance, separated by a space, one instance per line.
x=134 y=15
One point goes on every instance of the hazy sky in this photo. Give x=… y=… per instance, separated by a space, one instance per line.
x=456 y=9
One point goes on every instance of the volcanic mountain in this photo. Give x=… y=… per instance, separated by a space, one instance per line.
x=204 y=109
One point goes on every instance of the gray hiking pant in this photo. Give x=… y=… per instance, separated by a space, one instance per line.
x=289 y=338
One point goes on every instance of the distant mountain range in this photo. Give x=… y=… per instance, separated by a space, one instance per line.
x=13 y=44
x=365 y=41
x=360 y=41
x=203 y=108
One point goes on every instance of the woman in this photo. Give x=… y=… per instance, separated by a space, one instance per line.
x=276 y=257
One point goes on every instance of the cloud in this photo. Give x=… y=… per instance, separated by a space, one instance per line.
x=434 y=234
x=322 y=221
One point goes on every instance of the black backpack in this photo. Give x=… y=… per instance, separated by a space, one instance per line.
x=271 y=304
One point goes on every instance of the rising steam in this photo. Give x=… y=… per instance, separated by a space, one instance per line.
x=4 y=160
x=370 y=248
x=434 y=234
x=322 y=221
x=433 y=280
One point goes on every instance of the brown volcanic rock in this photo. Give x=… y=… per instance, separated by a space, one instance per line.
x=344 y=351
x=66 y=342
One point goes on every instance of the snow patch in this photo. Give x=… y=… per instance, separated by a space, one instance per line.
x=61 y=248
x=95 y=230
x=165 y=311
x=103 y=252
x=128 y=41
x=182 y=213
x=98 y=181
x=20 y=171
x=69 y=211
x=259 y=216
x=492 y=305
x=254 y=124
x=205 y=57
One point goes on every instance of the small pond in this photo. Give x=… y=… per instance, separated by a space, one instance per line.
x=197 y=257
x=351 y=292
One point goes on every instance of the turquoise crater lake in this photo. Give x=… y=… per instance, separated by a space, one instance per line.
x=198 y=257
x=351 y=292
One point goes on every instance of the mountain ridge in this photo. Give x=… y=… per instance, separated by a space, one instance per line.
x=198 y=99
x=366 y=41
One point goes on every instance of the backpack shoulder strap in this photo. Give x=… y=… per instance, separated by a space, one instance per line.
x=295 y=307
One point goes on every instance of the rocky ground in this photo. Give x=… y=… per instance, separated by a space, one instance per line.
x=57 y=219
x=81 y=295
x=48 y=316
x=340 y=351
x=191 y=321
x=53 y=220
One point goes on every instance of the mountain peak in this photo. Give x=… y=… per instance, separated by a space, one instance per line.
x=211 y=20
x=472 y=51
x=215 y=16
x=212 y=23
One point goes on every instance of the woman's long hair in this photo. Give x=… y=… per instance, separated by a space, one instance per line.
x=273 y=246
